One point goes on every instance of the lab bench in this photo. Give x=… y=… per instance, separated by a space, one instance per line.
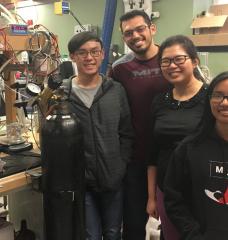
x=24 y=201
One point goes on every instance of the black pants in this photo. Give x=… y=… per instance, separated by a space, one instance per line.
x=135 y=201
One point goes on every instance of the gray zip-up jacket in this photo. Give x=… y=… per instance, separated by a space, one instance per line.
x=108 y=134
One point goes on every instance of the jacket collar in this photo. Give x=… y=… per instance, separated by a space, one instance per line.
x=105 y=85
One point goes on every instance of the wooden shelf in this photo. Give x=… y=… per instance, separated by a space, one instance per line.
x=210 y=40
x=14 y=43
x=15 y=181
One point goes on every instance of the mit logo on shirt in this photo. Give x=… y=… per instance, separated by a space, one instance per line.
x=219 y=169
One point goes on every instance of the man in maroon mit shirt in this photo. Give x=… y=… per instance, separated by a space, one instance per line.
x=140 y=74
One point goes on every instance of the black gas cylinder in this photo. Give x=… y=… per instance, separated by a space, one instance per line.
x=63 y=175
x=62 y=151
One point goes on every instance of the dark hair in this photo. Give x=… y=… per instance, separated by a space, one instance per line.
x=189 y=47
x=79 y=39
x=208 y=119
x=135 y=13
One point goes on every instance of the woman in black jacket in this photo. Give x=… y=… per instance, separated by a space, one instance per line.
x=176 y=114
x=196 y=184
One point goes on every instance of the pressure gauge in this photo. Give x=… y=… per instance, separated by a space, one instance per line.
x=33 y=89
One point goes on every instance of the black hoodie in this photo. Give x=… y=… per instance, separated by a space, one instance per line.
x=107 y=132
x=196 y=189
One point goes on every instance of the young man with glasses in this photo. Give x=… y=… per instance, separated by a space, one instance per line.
x=140 y=74
x=102 y=107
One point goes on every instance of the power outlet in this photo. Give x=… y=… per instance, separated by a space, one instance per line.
x=87 y=27
x=155 y=15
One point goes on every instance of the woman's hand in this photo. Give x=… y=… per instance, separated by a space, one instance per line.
x=152 y=208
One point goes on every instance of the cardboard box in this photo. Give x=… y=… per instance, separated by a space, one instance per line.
x=211 y=29
x=219 y=9
x=209 y=40
x=210 y=24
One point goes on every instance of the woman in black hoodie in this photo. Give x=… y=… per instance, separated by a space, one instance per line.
x=196 y=183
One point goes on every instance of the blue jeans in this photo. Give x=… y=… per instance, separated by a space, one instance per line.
x=104 y=215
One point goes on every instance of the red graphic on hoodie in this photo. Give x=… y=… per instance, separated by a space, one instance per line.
x=218 y=196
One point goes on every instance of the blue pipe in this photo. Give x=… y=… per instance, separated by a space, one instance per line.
x=108 y=23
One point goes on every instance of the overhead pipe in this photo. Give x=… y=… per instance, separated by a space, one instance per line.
x=108 y=23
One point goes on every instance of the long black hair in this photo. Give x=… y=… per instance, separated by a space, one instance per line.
x=208 y=120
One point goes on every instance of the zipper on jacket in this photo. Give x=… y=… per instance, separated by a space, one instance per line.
x=94 y=142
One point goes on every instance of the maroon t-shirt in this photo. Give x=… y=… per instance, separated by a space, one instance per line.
x=142 y=81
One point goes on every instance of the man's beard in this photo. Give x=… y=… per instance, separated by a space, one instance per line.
x=140 y=51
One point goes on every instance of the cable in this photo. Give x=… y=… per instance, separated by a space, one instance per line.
x=7 y=12
x=6 y=17
x=32 y=118
x=72 y=14
x=7 y=45
x=2 y=89
x=16 y=14
x=11 y=89
x=8 y=61
x=41 y=35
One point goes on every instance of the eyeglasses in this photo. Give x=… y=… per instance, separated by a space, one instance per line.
x=84 y=53
x=139 y=29
x=178 y=60
x=218 y=97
